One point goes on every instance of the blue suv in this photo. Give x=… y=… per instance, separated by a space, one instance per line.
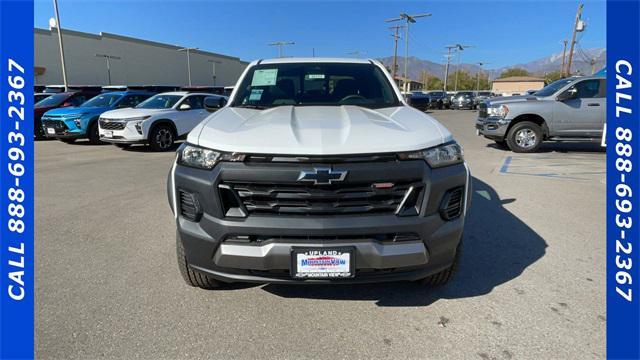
x=71 y=123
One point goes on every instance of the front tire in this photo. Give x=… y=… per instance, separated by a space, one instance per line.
x=162 y=138
x=445 y=275
x=192 y=277
x=524 y=137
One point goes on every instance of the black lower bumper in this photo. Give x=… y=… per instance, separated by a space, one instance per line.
x=211 y=244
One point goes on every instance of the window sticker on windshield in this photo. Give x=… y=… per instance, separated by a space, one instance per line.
x=256 y=95
x=264 y=77
x=314 y=76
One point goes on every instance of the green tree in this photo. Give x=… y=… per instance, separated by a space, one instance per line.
x=434 y=83
x=514 y=72
x=552 y=76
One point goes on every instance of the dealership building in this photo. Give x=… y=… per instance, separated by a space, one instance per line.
x=131 y=61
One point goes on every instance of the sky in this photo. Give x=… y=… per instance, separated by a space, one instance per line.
x=502 y=33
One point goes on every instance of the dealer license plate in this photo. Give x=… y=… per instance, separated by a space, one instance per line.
x=322 y=263
x=51 y=131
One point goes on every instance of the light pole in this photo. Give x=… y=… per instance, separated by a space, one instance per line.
x=188 y=51
x=459 y=51
x=109 y=57
x=56 y=23
x=213 y=69
x=478 y=75
x=409 y=19
x=280 y=45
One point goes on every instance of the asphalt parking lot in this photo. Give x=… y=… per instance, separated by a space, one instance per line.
x=531 y=283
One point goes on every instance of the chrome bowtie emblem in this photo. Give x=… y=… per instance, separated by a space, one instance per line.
x=322 y=176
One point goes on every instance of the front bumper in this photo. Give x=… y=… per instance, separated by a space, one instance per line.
x=223 y=247
x=492 y=127
x=63 y=129
x=127 y=135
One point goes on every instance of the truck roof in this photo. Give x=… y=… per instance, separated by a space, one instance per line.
x=313 y=60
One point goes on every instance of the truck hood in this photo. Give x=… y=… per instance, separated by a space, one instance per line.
x=133 y=113
x=511 y=99
x=319 y=130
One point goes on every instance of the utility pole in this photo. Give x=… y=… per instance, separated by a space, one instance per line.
x=573 y=40
x=564 y=54
x=446 y=68
x=395 y=36
x=59 y=28
x=108 y=57
x=409 y=19
x=188 y=51
x=459 y=51
x=280 y=45
x=213 y=69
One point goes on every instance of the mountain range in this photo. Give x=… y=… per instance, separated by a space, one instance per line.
x=581 y=63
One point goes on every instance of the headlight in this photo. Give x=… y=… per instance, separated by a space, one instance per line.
x=499 y=110
x=439 y=156
x=203 y=158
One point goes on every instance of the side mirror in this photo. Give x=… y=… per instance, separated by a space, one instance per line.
x=214 y=103
x=184 y=107
x=567 y=95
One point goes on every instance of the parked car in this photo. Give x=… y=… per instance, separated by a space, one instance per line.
x=437 y=99
x=318 y=171
x=463 y=100
x=571 y=109
x=158 y=121
x=40 y=96
x=71 y=123
x=481 y=96
x=419 y=100
x=58 y=100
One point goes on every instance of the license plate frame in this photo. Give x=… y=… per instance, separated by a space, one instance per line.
x=332 y=252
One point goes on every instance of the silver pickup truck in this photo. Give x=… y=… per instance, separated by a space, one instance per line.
x=570 y=109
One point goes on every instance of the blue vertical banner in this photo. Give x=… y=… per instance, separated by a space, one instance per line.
x=623 y=180
x=16 y=180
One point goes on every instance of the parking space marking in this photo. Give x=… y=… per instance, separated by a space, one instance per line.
x=580 y=167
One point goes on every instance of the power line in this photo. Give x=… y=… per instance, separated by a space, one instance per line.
x=409 y=19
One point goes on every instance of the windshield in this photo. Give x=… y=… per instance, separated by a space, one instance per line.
x=101 y=100
x=159 y=102
x=331 y=84
x=53 y=100
x=464 y=93
x=437 y=93
x=484 y=93
x=553 y=87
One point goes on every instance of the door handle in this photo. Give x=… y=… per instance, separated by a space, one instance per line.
x=593 y=104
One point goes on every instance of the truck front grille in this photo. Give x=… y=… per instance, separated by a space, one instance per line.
x=112 y=125
x=304 y=199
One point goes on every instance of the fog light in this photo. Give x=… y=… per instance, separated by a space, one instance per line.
x=78 y=123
